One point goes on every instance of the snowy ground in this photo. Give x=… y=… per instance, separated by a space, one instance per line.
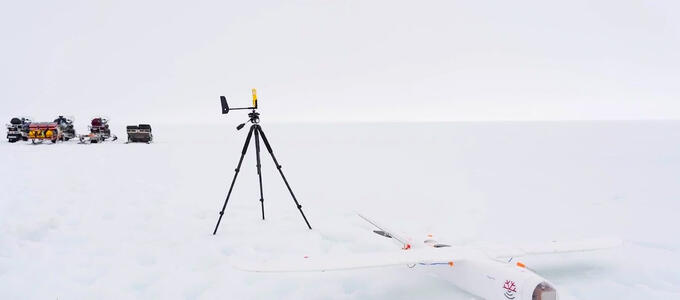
x=116 y=221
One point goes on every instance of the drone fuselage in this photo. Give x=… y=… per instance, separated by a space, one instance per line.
x=491 y=279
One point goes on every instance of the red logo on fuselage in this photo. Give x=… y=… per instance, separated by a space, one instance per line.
x=510 y=289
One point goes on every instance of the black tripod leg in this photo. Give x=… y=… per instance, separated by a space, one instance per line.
x=259 y=166
x=238 y=168
x=269 y=148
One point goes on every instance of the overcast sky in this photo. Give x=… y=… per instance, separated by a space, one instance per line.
x=324 y=60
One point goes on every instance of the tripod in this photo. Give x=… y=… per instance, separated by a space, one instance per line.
x=256 y=129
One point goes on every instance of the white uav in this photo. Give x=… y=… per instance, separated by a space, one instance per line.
x=486 y=273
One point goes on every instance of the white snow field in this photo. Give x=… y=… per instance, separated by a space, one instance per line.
x=116 y=221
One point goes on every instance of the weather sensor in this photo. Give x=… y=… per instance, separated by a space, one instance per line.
x=256 y=130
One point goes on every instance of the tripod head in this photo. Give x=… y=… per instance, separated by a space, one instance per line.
x=254 y=116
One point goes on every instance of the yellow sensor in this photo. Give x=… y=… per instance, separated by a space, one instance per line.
x=254 y=97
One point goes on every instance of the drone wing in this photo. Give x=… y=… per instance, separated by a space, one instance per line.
x=323 y=263
x=386 y=232
x=554 y=247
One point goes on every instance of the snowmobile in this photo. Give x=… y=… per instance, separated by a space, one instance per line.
x=39 y=132
x=66 y=126
x=17 y=129
x=139 y=134
x=99 y=132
